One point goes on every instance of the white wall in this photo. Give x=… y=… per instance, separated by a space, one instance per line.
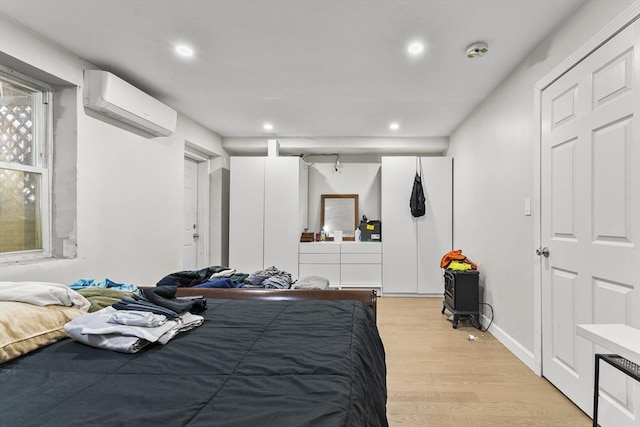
x=351 y=178
x=493 y=175
x=129 y=188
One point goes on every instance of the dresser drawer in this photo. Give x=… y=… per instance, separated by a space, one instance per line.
x=361 y=258
x=361 y=274
x=330 y=272
x=319 y=248
x=318 y=258
x=361 y=248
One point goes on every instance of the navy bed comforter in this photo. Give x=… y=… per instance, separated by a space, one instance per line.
x=252 y=363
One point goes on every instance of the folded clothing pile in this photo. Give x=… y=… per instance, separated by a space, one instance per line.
x=456 y=260
x=225 y=278
x=192 y=278
x=153 y=315
x=102 y=297
x=162 y=300
x=269 y=278
x=109 y=329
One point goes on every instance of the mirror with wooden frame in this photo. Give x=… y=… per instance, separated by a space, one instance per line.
x=339 y=212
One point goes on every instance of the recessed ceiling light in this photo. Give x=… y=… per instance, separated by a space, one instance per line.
x=267 y=126
x=183 y=50
x=394 y=126
x=415 y=48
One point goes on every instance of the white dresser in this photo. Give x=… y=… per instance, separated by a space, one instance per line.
x=344 y=264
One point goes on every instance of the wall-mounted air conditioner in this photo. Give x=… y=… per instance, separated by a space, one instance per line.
x=112 y=96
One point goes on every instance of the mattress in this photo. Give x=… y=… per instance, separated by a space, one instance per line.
x=252 y=363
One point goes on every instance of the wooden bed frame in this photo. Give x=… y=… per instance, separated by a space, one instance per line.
x=366 y=296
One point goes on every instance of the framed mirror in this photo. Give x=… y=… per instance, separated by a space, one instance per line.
x=339 y=212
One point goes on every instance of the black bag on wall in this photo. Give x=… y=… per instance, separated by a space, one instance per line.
x=417 y=201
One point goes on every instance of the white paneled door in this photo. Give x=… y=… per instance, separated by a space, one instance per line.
x=190 y=216
x=591 y=221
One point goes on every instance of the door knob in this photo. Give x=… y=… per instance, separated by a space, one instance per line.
x=543 y=251
x=196 y=235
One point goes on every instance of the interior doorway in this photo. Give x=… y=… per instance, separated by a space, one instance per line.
x=195 y=222
x=190 y=222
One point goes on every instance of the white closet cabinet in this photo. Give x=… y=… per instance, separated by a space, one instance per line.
x=267 y=212
x=412 y=247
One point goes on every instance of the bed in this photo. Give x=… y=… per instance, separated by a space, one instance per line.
x=261 y=358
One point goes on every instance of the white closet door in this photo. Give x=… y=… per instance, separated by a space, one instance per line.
x=246 y=213
x=435 y=227
x=399 y=230
x=281 y=215
x=591 y=221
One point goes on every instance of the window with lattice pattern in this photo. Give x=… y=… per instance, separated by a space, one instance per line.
x=23 y=166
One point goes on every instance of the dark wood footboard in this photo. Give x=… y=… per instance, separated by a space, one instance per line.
x=366 y=296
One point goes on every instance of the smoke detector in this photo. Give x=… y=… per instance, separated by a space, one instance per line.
x=477 y=49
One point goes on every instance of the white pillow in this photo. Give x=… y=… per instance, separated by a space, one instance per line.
x=42 y=293
x=311 y=282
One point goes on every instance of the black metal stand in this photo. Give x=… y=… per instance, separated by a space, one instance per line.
x=620 y=363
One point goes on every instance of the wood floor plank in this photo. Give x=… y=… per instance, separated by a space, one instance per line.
x=437 y=377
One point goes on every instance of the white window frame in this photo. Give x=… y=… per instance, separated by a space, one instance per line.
x=42 y=146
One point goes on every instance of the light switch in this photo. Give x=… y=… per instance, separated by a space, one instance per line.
x=527 y=206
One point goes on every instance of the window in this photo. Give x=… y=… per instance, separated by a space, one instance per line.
x=24 y=167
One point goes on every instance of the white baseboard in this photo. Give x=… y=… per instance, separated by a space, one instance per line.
x=512 y=345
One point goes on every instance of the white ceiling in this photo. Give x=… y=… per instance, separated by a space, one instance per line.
x=313 y=68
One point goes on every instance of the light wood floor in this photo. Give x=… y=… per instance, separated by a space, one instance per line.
x=437 y=377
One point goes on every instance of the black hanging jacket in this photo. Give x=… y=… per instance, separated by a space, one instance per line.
x=417 y=201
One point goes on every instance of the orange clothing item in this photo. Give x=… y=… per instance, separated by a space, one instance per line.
x=456 y=255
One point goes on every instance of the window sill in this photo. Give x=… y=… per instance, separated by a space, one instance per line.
x=27 y=258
